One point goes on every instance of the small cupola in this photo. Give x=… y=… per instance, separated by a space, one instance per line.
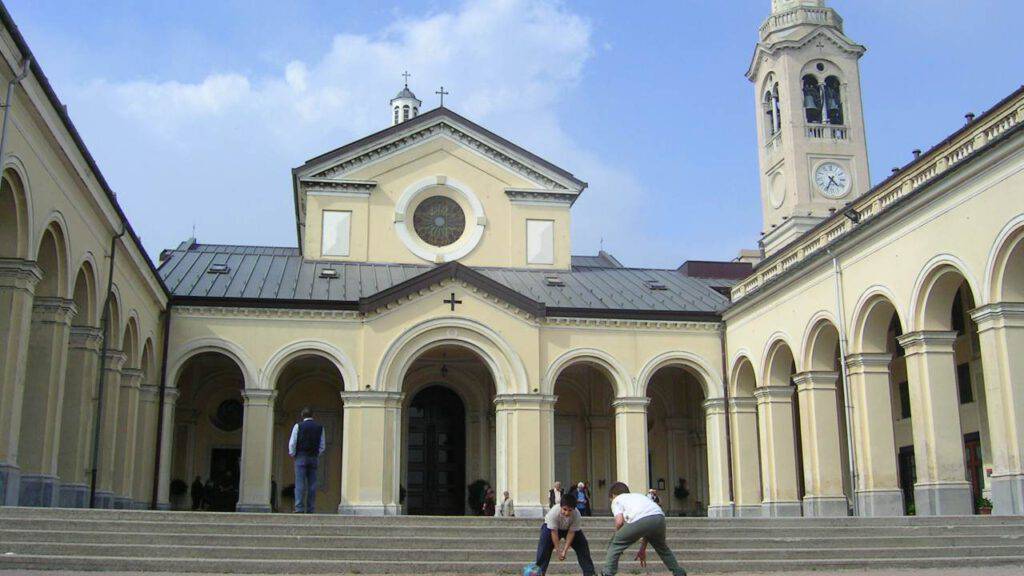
x=405 y=105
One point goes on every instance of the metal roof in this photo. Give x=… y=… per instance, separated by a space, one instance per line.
x=265 y=274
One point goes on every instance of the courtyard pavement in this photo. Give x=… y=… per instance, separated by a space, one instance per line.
x=993 y=571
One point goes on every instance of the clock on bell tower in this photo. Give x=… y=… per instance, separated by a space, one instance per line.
x=813 y=150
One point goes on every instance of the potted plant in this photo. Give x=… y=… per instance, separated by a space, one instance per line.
x=984 y=506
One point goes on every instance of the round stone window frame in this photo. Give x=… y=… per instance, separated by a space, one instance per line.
x=409 y=200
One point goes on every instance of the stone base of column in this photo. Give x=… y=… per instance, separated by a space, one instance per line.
x=253 y=508
x=164 y=506
x=140 y=505
x=952 y=499
x=526 y=511
x=1008 y=495
x=122 y=503
x=38 y=490
x=369 y=510
x=749 y=511
x=826 y=506
x=782 y=509
x=10 y=475
x=73 y=496
x=877 y=503
x=721 y=511
x=104 y=499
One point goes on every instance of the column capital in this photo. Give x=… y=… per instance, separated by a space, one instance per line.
x=171 y=395
x=115 y=360
x=371 y=399
x=85 y=338
x=631 y=404
x=149 y=392
x=53 y=310
x=873 y=362
x=999 y=315
x=258 y=396
x=816 y=380
x=925 y=341
x=18 y=274
x=715 y=406
x=770 y=394
x=131 y=378
x=743 y=404
x=525 y=401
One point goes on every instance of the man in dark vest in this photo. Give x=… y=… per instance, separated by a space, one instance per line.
x=305 y=446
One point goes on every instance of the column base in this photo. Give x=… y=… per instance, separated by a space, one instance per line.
x=253 y=508
x=122 y=503
x=536 y=511
x=721 y=511
x=104 y=499
x=10 y=475
x=826 y=506
x=140 y=505
x=1008 y=495
x=749 y=511
x=38 y=490
x=950 y=499
x=164 y=506
x=369 y=510
x=73 y=496
x=876 y=503
x=782 y=509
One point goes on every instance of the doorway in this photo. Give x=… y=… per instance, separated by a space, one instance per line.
x=436 y=453
x=222 y=488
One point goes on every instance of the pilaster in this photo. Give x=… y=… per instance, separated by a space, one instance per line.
x=163 y=493
x=107 y=457
x=631 y=442
x=822 y=452
x=145 y=439
x=717 y=449
x=746 y=457
x=778 y=451
x=878 y=491
x=941 y=489
x=371 y=453
x=76 y=427
x=128 y=413
x=257 y=450
x=525 y=434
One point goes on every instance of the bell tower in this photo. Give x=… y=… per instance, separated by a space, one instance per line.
x=812 y=146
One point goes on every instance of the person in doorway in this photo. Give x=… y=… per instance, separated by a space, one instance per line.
x=653 y=495
x=555 y=494
x=582 y=496
x=637 y=518
x=508 y=508
x=197 y=489
x=563 y=529
x=305 y=446
x=490 y=499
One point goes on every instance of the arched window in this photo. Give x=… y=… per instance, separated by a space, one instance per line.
x=833 y=101
x=415 y=111
x=769 y=115
x=405 y=112
x=777 y=107
x=396 y=114
x=812 y=100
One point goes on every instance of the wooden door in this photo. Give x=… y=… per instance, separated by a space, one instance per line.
x=436 y=483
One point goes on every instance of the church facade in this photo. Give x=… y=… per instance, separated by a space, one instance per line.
x=865 y=360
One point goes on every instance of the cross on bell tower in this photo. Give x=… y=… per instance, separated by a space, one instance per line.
x=405 y=105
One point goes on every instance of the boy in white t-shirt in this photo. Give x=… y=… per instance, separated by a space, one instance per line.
x=563 y=529
x=637 y=518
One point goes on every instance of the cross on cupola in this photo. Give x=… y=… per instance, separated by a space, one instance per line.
x=405 y=105
x=442 y=93
x=452 y=301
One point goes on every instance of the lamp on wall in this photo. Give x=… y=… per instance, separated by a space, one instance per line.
x=661 y=483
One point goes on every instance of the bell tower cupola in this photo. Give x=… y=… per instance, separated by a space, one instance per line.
x=812 y=146
x=405 y=105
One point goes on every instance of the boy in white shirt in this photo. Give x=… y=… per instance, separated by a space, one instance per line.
x=563 y=529
x=637 y=518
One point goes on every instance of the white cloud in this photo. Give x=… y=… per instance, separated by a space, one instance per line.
x=221 y=147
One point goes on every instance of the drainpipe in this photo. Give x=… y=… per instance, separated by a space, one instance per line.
x=102 y=378
x=160 y=408
x=728 y=413
x=844 y=373
x=7 y=102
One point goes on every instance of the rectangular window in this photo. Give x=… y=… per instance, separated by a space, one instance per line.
x=337 y=227
x=963 y=383
x=904 y=388
x=540 y=241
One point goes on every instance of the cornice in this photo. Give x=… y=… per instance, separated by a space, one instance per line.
x=19 y=274
x=53 y=310
x=632 y=324
x=265 y=313
x=86 y=338
x=999 y=315
x=525 y=401
x=343 y=188
x=540 y=197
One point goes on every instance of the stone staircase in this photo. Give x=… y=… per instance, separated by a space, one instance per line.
x=122 y=540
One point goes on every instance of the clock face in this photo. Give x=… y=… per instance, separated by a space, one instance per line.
x=832 y=180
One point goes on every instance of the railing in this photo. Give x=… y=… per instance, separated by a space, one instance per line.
x=773 y=144
x=929 y=166
x=801 y=15
x=822 y=131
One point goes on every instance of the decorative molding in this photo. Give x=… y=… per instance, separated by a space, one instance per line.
x=86 y=338
x=265 y=313
x=525 y=401
x=927 y=341
x=998 y=315
x=868 y=362
x=343 y=188
x=19 y=274
x=115 y=360
x=258 y=396
x=815 y=380
x=631 y=324
x=53 y=310
x=540 y=197
x=371 y=399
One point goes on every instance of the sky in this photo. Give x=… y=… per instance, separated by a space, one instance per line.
x=196 y=111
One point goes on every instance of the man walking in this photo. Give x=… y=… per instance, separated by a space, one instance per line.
x=305 y=447
x=637 y=518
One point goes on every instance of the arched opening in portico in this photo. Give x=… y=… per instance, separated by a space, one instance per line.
x=677 y=441
x=824 y=367
x=748 y=493
x=13 y=217
x=315 y=382
x=208 y=433
x=448 y=432
x=782 y=468
x=585 y=437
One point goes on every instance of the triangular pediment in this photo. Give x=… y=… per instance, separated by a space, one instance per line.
x=827 y=34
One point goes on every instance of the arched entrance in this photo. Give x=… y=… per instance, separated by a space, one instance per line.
x=436 y=453
x=677 y=441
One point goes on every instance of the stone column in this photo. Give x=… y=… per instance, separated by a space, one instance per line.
x=257 y=450
x=18 y=279
x=942 y=488
x=746 y=467
x=1001 y=332
x=878 y=488
x=145 y=449
x=525 y=452
x=127 y=415
x=39 y=439
x=78 y=415
x=163 y=493
x=106 y=461
x=778 y=451
x=822 y=453
x=371 y=453
x=631 y=442
x=719 y=503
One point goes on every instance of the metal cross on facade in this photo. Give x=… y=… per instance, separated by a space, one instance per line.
x=406 y=76
x=452 y=301
x=443 y=94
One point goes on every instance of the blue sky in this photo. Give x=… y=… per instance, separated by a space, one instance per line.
x=196 y=111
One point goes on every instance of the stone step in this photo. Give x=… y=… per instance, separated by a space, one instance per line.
x=111 y=564
x=186 y=538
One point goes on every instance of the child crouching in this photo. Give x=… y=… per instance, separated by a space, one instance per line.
x=563 y=521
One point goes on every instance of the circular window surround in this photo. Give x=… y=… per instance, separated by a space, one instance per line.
x=419 y=191
x=777 y=190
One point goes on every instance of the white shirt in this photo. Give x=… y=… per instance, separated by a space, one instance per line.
x=635 y=507
x=556 y=521
x=295 y=438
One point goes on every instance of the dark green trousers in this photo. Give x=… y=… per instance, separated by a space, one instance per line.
x=653 y=529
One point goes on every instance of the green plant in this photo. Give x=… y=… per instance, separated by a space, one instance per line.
x=476 y=495
x=911 y=509
x=983 y=502
x=680 y=491
x=178 y=487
